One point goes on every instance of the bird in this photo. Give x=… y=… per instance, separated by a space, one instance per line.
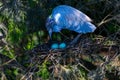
x=67 y=17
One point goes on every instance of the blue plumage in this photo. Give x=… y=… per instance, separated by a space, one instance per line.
x=66 y=17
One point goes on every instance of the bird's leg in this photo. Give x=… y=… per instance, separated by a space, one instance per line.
x=64 y=35
x=74 y=41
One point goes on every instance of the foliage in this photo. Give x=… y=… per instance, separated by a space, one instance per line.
x=22 y=27
x=44 y=73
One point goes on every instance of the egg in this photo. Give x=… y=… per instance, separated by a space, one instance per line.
x=54 y=46
x=62 y=45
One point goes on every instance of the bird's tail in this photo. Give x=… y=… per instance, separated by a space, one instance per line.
x=85 y=27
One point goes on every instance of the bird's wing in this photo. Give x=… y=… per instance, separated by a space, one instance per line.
x=72 y=19
x=70 y=14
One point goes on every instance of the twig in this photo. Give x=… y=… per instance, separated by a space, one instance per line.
x=84 y=67
x=8 y=61
x=104 y=19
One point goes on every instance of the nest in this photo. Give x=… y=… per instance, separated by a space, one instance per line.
x=91 y=55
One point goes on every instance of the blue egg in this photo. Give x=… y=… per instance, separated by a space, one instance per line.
x=54 y=46
x=62 y=46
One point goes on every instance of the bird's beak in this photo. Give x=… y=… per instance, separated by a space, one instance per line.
x=50 y=33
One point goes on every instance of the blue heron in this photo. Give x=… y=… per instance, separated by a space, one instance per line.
x=67 y=17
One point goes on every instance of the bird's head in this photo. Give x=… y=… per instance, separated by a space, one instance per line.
x=50 y=24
